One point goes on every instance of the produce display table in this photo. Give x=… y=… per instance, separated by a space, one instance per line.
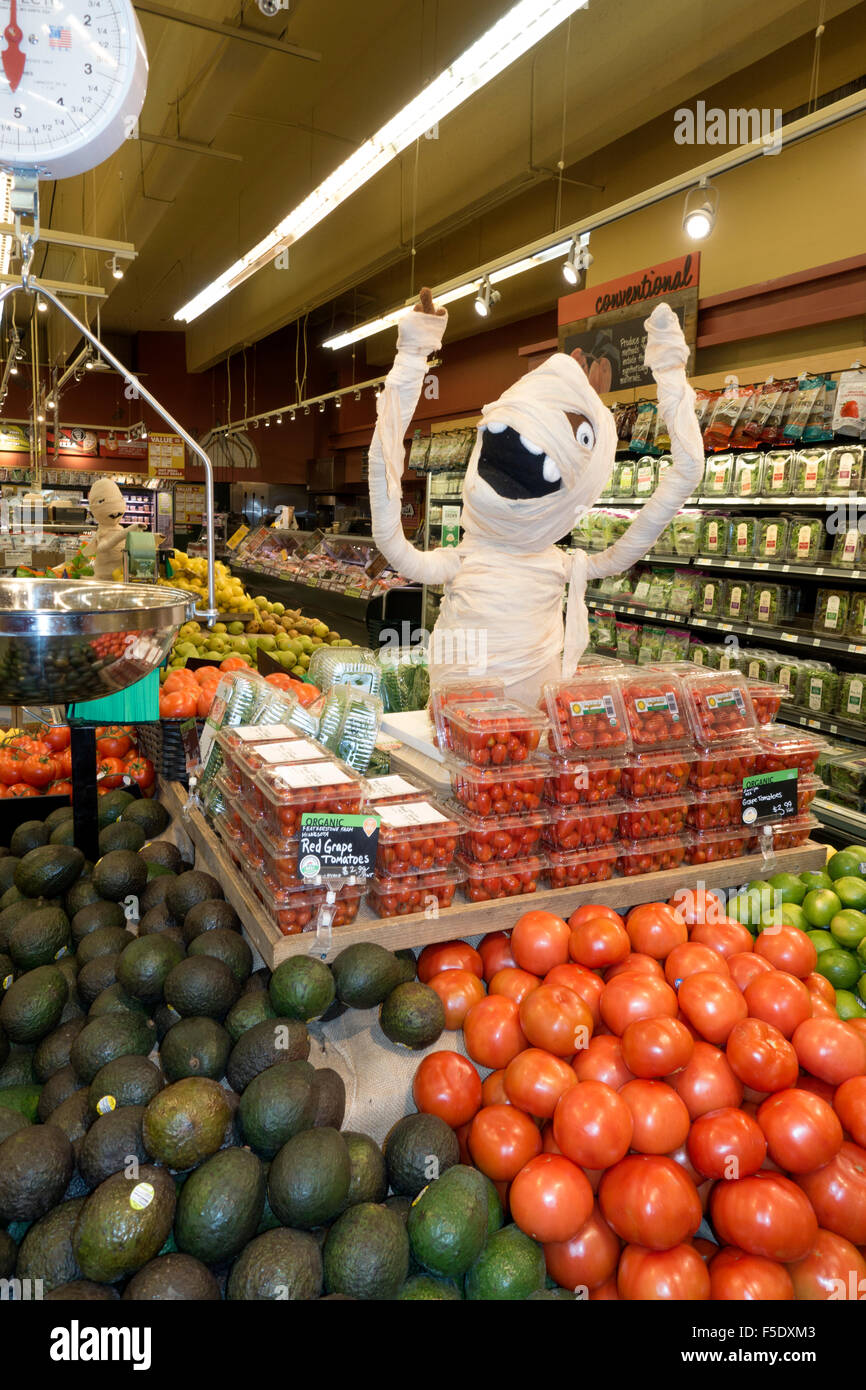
x=464 y=919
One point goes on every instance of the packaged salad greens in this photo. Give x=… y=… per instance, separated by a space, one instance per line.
x=714 y=534
x=709 y=602
x=848 y=774
x=651 y=645
x=661 y=585
x=748 y=472
x=771 y=432
x=627 y=640
x=817 y=687
x=772 y=537
x=778 y=473
x=726 y=415
x=643 y=434
x=605 y=630
x=684 y=591
x=754 y=664
x=675 y=646
x=857 y=617
x=809 y=388
x=718 y=476
x=623 y=478
x=805 y=540
x=742 y=537
x=771 y=603
x=844 y=468
x=699 y=652
x=686 y=529
x=810 y=472
x=819 y=424
x=735 y=601
x=645 y=476
x=787 y=674
x=852 y=695
x=666 y=543
x=831 y=612
x=848 y=549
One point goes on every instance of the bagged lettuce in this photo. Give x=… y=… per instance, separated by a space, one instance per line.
x=805 y=540
x=778 y=480
x=714 y=534
x=831 y=612
x=810 y=472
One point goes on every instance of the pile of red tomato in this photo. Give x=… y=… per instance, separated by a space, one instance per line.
x=43 y=766
x=188 y=694
x=645 y=1073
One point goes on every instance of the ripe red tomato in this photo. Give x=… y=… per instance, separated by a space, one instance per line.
x=448 y=955
x=660 y=1118
x=802 y=1131
x=501 y=1140
x=833 y=1269
x=585 y=983
x=656 y=1047
x=677 y=1274
x=493 y=1089
x=726 y=1144
x=650 y=1201
x=655 y=929
x=630 y=997
x=603 y=1061
x=712 y=1004
x=690 y=958
x=698 y=905
x=592 y=910
x=592 y=1125
x=63 y=762
x=61 y=788
x=23 y=789
x=636 y=964
x=829 y=1049
x=556 y=1019
x=141 y=771
x=539 y=941
x=39 y=770
x=597 y=942
x=178 y=704
x=535 y=1080
x=707 y=1082
x=112 y=742
x=447 y=1085
x=761 y=1056
x=459 y=990
x=745 y=965
x=57 y=737
x=513 y=982
x=850 y=1103
x=765 y=1214
x=110 y=772
x=838 y=1193
x=819 y=984
x=550 y=1199
x=492 y=1031
x=495 y=952
x=727 y=937
x=737 y=1277
x=588 y=1259
x=789 y=949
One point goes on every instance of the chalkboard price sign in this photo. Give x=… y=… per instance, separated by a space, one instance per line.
x=769 y=796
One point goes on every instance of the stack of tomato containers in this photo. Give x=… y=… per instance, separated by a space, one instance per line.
x=492 y=748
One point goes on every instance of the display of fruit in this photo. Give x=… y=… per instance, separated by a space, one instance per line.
x=39 y=762
x=285 y=635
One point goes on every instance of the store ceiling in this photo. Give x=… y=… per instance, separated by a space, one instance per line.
x=292 y=121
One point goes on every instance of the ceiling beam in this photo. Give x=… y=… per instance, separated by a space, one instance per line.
x=124 y=249
x=227 y=31
x=190 y=147
x=58 y=286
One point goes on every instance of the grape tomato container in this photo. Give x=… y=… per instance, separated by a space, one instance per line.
x=716 y=810
x=587 y=783
x=390 y=896
x=709 y=846
x=416 y=836
x=451 y=692
x=723 y=767
x=585 y=827
x=656 y=774
x=497 y=791
x=235 y=742
x=808 y=787
x=720 y=707
x=655 y=817
x=494 y=733
x=393 y=788
x=252 y=758
x=298 y=909
x=781 y=747
x=655 y=713
x=767 y=697
x=568 y=868
x=485 y=882
x=586 y=717
x=248 y=841
x=652 y=856
x=497 y=840
x=289 y=791
x=787 y=834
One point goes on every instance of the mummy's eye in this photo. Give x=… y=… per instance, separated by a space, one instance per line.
x=585 y=434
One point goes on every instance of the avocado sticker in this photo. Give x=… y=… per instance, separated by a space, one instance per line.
x=105 y=1104
x=141 y=1196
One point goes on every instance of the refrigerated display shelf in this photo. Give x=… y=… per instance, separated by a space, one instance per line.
x=788 y=637
x=825 y=723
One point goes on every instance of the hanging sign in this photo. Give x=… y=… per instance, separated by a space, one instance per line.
x=166 y=456
x=337 y=846
x=770 y=796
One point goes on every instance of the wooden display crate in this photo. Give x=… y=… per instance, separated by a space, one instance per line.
x=464 y=919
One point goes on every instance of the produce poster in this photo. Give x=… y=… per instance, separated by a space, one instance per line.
x=166 y=456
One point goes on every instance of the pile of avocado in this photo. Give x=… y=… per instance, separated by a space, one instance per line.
x=163 y=1134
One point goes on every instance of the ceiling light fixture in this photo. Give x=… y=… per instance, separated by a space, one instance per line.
x=115 y=268
x=338 y=403
x=485 y=298
x=519 y=30
x=13 y=370
x=578 y=261
x=699 y=213
x=41 y=305
x=279 y=419
x=268 y=424
x=293 y=415
x=321 y=407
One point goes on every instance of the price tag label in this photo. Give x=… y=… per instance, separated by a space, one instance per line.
x=769 y=796
x=337 y=846
x=191 y=749
x=234 y=541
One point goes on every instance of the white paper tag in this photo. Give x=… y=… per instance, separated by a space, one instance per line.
x=392 y=785
x=416 y=813
x=324 y=774
x=298 y=750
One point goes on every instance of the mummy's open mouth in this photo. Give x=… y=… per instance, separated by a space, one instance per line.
x=515 y=467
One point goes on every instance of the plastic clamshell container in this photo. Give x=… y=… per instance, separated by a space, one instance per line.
x=715 y=810
x=393 y=788
x=248 y=841
x=494 y=733
x=723 y=767
x=808 y=787
x=767 y=697
x=235 y=741
x=499 y=839
x=652 y=856
x=583 y=828
x=781 y=747
x=655 y=712
x=398 y=896
x=586 y=716
x=416 y=836
x=254 y=758
x=656 y=774
x=654 y=817
x=296 y=910
x=719 y=707
x=454 y=691
x=790 y=833
x=488 y=881
x=708 y=846
x=290 y=791
x=581 y=784
x=568 y=868
x=497 y=791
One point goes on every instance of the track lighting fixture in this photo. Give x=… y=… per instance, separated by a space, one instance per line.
x=699 y=213
x=486 y=298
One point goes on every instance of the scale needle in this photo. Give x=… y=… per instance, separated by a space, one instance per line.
x=13 y=58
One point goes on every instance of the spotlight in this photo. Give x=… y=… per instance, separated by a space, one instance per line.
x=40 y=418
x=41 y=305
x=268 y=423
x=293 y=415
x=579 y=260
x=485 y=298
x=699 y=213
x=88 y=365
x=279 y=419
x=321 y=407
x=144 y=432
x=49 y=404
x=306 y=410
x=13 y=370
x=357 y=395
x=115 y=268
x=338 y=403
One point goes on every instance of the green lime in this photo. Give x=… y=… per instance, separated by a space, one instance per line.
x=849 y=1005
x=851 y=891
x=814 y=879
x=849 y=861
x=840 y=967
x=788 y=887
x=745 y=908
x=848 y=927
x=794 y=916
x=820 y=906
x=822 y=940
x=773 y=920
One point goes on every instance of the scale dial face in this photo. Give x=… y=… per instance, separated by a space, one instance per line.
x=72 y=83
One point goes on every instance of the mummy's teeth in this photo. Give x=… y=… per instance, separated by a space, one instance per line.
x=528 y=444
x=496 y=426
x=550 y=472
